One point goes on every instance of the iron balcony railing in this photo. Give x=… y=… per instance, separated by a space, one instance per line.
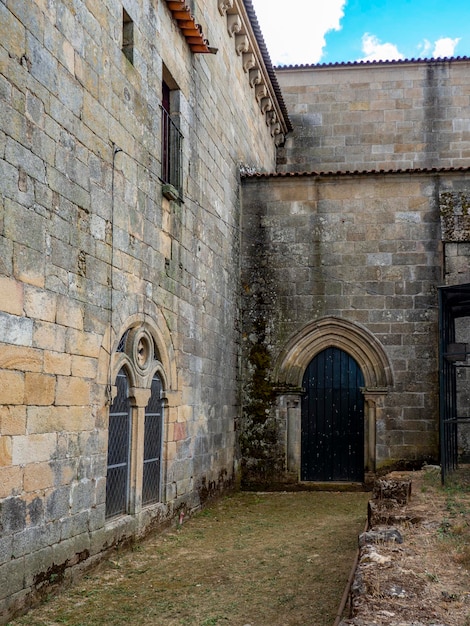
x=172 y=154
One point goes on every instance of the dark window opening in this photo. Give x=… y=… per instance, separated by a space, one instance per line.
x=172 y=143
x=119 y=441
x=454 y=376
x=127 y=36
x=153 y=434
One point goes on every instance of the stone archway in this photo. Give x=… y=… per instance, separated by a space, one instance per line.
x=366 y=350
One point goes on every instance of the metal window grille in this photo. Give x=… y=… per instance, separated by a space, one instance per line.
x=454 y=303
x=119 y=435
x=122 y=342
x=172 y=145
x=153 y=431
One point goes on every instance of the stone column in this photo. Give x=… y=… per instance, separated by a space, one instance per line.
x=373 y=399
x=139 y=400
x=293 y=433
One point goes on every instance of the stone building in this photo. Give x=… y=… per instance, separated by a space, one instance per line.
x=124 y=126
x=365 y=218
x=193 y=246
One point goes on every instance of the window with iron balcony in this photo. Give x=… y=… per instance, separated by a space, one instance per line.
x=172 y=145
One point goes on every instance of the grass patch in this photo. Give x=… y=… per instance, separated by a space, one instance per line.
x=278 y=559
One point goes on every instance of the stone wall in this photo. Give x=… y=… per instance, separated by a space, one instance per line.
x=355 y=259
x=394 y=115
x=90 y=248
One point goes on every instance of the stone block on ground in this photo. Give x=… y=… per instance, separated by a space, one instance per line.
x=391 y=489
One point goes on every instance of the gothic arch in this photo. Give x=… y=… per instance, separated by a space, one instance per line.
x=111 y=360
x=339 y=333
x=294 y=359
x=142 y=347
x=157 y=329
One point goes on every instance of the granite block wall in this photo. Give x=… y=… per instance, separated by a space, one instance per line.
x=361 y=253
x=90 y=247
x=373 y=116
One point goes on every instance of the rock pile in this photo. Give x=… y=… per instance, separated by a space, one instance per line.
x=389 y=587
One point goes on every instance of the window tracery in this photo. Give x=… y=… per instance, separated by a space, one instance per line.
x=136 y=425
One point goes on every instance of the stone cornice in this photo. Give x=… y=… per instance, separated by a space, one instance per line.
x=243 y=28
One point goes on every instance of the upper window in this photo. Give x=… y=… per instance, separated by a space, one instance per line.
x=172 y=143
x=127 y=36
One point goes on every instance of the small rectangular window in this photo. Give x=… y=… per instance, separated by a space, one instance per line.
x=172 y=144
x=127 y=36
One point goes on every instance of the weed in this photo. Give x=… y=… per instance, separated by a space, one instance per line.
x=216 y=573
x=212 y=621
x=286 y=598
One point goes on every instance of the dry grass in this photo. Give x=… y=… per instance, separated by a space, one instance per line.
x=278 y=559
x=426 y=579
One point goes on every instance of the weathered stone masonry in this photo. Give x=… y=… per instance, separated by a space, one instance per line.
x=218 y=293
x=374 y=116
x=364 y=249
x=93 y=255
x=347 y=245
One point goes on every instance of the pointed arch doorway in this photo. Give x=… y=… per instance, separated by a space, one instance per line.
x=332 y=419
x=365 y=355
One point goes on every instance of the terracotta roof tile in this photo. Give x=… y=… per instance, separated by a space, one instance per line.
x=192 y=32
x=369 y=63
x=415 y=170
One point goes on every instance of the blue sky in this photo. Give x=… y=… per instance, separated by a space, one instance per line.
x=330 y=31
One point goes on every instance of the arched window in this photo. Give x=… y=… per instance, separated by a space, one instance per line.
x=136 y=424
x=153 y=436
x=119 y=442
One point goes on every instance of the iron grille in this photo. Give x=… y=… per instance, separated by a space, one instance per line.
x=117 y=480
x=172 y=144
x=454 y=302
x=122 y=342
x=153 y=444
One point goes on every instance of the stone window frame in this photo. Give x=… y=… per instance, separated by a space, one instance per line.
x=171 y=138
x=137 y=351
x=127 y=36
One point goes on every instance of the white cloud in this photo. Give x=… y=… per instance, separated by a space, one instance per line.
x=424 y=49
x=375 y=50
x=445 y=47
x=297 y=35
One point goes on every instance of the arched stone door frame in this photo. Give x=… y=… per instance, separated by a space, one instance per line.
x=293 y=360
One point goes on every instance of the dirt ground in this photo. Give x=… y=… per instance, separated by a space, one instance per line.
x=283 y=559
x=277 y=559
x=424 y=581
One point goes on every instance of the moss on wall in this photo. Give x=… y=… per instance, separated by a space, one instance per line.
x=262 y=461
x=454 y=207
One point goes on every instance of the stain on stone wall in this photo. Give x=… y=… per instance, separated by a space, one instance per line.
x=262 y=460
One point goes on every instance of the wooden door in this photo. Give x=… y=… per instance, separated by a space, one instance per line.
x=332 y=437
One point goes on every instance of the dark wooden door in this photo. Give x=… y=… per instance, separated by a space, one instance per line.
x=332 y=439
